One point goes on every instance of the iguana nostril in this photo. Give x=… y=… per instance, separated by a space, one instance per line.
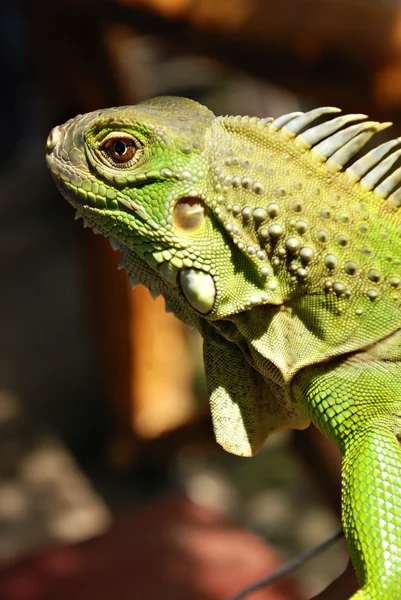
x=55 y=136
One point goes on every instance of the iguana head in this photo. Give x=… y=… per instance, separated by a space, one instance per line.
x=153 y=178
x=142 y=176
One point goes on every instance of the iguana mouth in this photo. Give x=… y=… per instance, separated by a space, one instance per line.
x=63 y=178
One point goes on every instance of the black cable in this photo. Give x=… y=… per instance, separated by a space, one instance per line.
x=289 y=567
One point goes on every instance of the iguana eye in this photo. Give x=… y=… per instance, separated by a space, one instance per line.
x=120 y=150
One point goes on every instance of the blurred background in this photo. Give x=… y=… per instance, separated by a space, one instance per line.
x=111 y=484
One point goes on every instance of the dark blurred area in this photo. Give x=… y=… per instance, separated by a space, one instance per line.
x=111 y=483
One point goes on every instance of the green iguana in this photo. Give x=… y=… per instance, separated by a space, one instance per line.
x=285 y=252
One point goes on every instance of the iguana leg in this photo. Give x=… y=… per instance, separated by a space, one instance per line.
x=358 y=406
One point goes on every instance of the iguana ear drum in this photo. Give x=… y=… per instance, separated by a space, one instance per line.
x=189 y=214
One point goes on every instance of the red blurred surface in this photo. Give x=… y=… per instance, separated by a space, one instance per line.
x=172 y=549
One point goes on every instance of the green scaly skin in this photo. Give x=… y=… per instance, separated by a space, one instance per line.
x=289 y=265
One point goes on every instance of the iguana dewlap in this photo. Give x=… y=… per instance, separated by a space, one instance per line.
x=284 y=250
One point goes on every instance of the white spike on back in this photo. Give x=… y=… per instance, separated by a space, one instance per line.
x=265 y=121
x=283 y=120
x=373 y=177
x=395 y=199
x=333 y=143
x=303 y=120
x=316 y=134
x=346 y=152
x=337 y=160
x=361 y=166
x=389 y=184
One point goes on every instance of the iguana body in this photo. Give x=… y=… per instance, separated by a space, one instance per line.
x=286 y=261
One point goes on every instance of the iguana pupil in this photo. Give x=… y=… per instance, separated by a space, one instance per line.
x=121 y=150
x=119 y=147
